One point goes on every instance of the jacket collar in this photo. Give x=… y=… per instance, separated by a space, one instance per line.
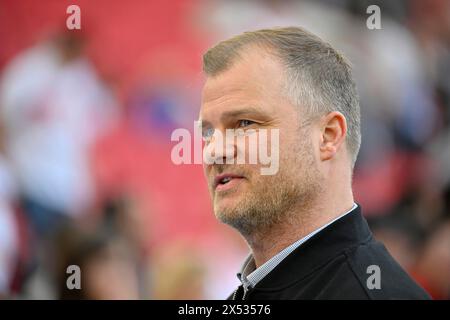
x=349 y=231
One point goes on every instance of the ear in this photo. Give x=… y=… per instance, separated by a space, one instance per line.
x=333 y=132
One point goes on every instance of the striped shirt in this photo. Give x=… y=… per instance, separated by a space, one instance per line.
x=250 y=275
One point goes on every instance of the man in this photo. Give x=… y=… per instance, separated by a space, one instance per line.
x=308 y=238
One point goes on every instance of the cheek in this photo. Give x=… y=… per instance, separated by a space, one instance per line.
x=288 y=145
x=207 y=173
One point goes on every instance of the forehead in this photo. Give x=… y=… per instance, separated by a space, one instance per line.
x=255 y=79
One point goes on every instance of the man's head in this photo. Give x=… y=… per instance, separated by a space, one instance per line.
x=285 y=79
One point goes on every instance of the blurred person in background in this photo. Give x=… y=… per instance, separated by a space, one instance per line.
x=107 y=265
x=433 y=264
x=179 y=273
x=53 y=106
x=121 y=218
x=9 y=233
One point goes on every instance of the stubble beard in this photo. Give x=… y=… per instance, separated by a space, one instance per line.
x=275 y=200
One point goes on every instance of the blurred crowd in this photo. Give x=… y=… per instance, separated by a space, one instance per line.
x=85 y=121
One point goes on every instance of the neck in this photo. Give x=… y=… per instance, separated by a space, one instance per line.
x=300 y=222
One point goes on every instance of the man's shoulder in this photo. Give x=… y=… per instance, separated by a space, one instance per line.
x=363 y=272
x=343 y=261
x=380 y=276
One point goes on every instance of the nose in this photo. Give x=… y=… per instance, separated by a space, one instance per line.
x=220 y=149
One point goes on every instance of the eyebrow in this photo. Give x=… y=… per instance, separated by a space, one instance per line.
x=235 y=113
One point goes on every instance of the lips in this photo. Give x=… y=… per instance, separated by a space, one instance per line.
x=226 y=181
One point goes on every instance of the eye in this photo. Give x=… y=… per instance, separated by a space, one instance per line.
x=207 y=133
x=244 y=123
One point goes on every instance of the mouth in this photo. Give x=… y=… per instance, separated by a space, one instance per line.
x=226 y=181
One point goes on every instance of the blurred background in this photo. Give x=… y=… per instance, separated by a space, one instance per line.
x=85 y=121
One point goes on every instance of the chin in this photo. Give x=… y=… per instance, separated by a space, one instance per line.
x=225 y=209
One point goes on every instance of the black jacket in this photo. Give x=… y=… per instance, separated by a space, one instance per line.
x=336 y=264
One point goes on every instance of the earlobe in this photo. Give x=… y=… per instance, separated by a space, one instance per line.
x=327 y=151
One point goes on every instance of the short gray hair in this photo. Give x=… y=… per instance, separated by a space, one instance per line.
x=318 y=76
